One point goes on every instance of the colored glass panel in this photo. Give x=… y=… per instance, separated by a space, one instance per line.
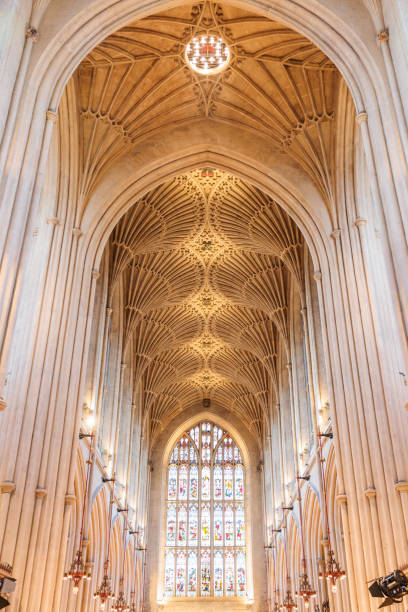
x=228 y=490
x=171 y=526
x=205 y=483
x=239 y=483
x=172 y=484
x=218 y=530
x=218 y=574
x=183 y=483
x=229 y=526
x=169 y=574
x=217 y=482
x=205 y=574
x=182 y=527
x=181 y=575
x=193 y=526
x=205 y=526
x=193 y=482
x=241 y=574
x=240 y=526
x=229 y=575
x=192 y=575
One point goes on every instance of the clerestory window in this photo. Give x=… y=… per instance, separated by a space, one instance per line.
x=205 y=516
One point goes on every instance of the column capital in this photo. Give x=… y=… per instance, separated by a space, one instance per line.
x=401 y=486
x=7 y=486
x=361 y=117
x=360 y=222
x=51 y=115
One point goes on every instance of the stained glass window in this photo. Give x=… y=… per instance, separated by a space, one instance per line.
x=205 y=522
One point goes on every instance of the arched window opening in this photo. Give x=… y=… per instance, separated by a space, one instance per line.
x=205 y=554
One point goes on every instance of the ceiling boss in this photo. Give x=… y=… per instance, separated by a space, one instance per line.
x=207 y=52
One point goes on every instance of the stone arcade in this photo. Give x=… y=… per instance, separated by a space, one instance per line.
x=203 y=288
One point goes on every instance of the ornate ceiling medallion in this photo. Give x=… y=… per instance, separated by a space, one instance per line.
x=207 y=54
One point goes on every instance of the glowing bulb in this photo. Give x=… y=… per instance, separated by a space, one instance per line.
x=103 y=605
x=334 y=588
x=343 y=577
x=91 y=421
x=75 y=589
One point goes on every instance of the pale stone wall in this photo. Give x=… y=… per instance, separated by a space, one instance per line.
x=52 y=244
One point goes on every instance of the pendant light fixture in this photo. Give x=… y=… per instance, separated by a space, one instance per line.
x=121 y=604
x=105 y=590
x=77 y=571
x=306 y=592
x=288 y=603
x=332 y=571
x=133 y=591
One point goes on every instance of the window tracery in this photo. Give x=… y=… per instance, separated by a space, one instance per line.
x=205 y=516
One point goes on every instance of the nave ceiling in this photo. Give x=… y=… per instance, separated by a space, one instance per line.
x=204 y=316
x=206 y=262
x=277 y=85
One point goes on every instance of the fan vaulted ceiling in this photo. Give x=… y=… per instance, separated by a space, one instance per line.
x=277 y=84
x=205 y=261
x=205 y=314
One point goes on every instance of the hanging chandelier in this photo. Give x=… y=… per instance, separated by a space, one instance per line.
x=207 y=53
x=121 y=604
x=288 y=602
x=306 y=592
x=105 y=590
x=78 y=571
x=332 y=571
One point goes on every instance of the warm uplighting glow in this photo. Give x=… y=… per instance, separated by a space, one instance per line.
x=90 y=420
x=207 y=54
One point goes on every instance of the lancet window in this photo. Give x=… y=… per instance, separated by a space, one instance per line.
x=205 y=516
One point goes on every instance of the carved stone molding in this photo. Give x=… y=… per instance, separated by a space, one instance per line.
x=336 y=233
x=3 y=404
x=53 y=221
x=360 y=222
x=70 y=499
x=7 y=486
x=40 y=492
x=341 y=498
x=361 y=117
x=370 y=492
x=51 y=115
x=401 y=486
